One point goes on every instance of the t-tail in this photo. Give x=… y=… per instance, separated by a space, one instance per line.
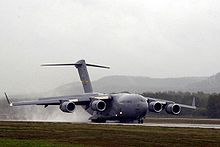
x=81 y=65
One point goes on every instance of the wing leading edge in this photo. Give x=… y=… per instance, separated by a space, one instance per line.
x=83 y=99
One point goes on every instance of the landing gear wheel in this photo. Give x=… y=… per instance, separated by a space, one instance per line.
x=140 y=121
x=126 y=121
x=98 y=120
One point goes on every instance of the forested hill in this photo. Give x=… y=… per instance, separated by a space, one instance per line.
x=142 y=84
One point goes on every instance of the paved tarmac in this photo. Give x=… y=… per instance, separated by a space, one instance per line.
x=180 y=125
x=170 y=125
x=173 y=125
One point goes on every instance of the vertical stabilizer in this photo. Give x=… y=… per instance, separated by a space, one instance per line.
x=84 y=76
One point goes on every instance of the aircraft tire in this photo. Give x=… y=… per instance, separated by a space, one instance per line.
x=98 y=120
x=140 y=121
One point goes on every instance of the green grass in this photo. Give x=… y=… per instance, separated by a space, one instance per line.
x=68 y=134
x=24 y=143
x=33 y=143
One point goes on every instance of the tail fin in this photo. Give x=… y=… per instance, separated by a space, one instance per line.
x=83 y=73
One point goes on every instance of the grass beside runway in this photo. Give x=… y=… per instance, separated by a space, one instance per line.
x=66 y=134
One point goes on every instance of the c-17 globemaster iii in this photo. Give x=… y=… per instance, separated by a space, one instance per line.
x=122 y=107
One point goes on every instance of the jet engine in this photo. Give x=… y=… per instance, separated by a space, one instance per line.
x=68 y=107
x=155 y=106
x=98 y=105
x=173 y=109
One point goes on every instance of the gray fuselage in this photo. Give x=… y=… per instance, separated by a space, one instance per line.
x=124 y=107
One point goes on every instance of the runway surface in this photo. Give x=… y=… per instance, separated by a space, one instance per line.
x=170 y=125
x=210 y=126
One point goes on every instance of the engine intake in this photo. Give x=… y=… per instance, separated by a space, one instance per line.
x=68 y=107
x=98 y=105
x=173 y=109
x=155 y=106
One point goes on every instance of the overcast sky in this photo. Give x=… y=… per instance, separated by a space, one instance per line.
x=154 y=38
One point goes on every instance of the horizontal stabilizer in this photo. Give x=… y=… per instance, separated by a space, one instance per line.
x=100 y=66
x=74 y=64
x=58 y=64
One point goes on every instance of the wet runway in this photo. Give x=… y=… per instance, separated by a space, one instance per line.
x=168 y=125
x=210 y=126
x=172 y=125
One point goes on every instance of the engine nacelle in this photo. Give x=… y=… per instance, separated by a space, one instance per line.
x=155 y=107
x=98 y=105
x=173 y=109
x=68 y=107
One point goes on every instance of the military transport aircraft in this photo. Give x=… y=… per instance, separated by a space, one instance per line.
x=122 y=107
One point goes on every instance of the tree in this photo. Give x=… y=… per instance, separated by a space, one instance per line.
x=213 y=106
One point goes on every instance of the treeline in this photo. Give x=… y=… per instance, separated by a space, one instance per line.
x=208 y=105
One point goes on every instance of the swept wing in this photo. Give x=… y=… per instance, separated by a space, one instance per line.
x=82 y=99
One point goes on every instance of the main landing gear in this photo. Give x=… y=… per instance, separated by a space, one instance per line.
x=98 y=120
x=140 y=121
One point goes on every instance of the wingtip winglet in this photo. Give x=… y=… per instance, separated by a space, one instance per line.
x=9 y=102
x=194 y=102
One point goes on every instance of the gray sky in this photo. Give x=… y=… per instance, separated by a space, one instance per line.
x=155 y=38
